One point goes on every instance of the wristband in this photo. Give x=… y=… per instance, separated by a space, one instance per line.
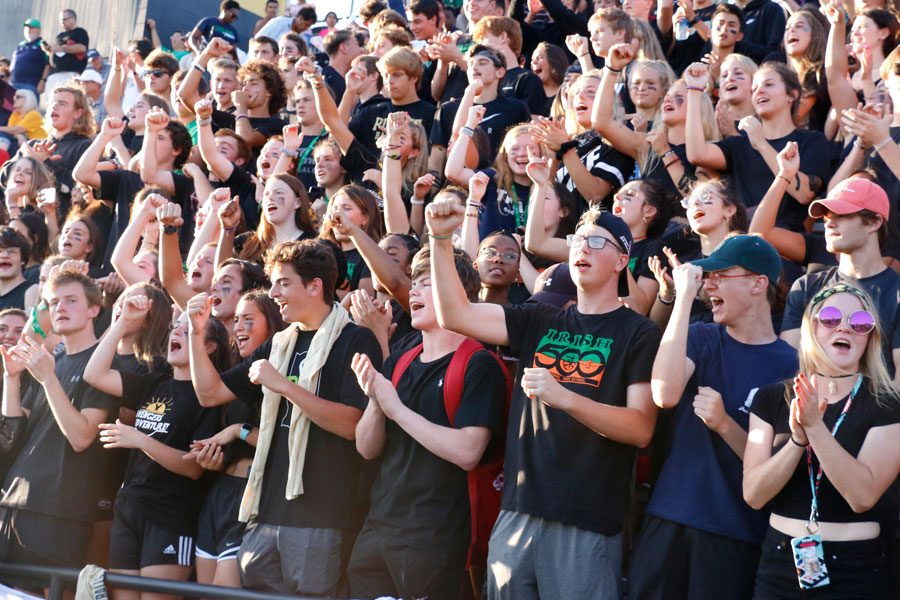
x=246 y=428
x=415 y=202
x=440 y=237
x=671 y=162
x=780 y=176
x=667 y=303
x=236 y=117
x=467 y=131
x=394 y=156
x=877 y=147
x=170 y=229
x=796 y=443
x=194 y=65
x=473 y=205
x=289 y=152
x=611 y=70
x=693 y=21
x=565 y=147
x=696 y=88
x=473 y=215
x=667 y=153
x=204 y=122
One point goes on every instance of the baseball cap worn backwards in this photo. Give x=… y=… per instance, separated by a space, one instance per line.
x=749 y=251
x=851 y=196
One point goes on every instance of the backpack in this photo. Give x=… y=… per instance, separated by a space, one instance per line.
x=486 y=480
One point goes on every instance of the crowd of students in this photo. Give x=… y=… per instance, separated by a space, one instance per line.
x=542 y=299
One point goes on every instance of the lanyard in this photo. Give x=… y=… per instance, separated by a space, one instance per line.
x=812 y=524
x=517 y=210
x=309 y=148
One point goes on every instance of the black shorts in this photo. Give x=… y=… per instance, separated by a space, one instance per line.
x=31 y=537
x=136 y=542
x=219 y=532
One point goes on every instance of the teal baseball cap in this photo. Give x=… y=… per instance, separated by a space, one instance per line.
x=33 y=23
x=749 y=251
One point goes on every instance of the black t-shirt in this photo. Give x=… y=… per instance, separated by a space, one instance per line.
x=70 y=62
x=268 y=126
x=602 y=160
x=556 y=467
x=500 y=114
x=357 y=270
x=751 y=176
x=331 y=473
x=306 y=164
x=417 y=492
x=69 y=147
x=641 y=252
x=884 y=288
x=242 y=186
x=15 y=298
x=121 y=186
x=660 y=174
x=522 y=84
x=886 y=179
x=48 y=476
x=370 y=123
x=358 y=160
x=817 y=257
x=771 y=405
x=169 y=412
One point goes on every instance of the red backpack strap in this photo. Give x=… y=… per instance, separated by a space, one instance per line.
x=404 y=362
x=454 y=379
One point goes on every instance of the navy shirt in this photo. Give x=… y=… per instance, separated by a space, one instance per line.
x=701 y=481
x=502 y=210
x=28 y=63
x=211 y=27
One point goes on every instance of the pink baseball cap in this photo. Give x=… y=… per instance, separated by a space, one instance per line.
x=851 y=196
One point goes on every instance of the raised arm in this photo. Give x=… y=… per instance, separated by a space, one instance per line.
x=471 y=238
x=766 y=474
x=396 y=219
x=115 y=84
x=209 y=230
x=188 y=91
x=328 y=113
x=801 y=187
x=242 y=125
x=354 y=81
x=127 y=246
x=485 y=322
x=553 y=135
x=217 y=164
x=211 y=390
x=171 y=272
x=99 y=372
x=455 y=169
x=86 y=168
x=789 y=244
x=536 y=239
x=151 y=174
x=836 y=64
x=699 y=152
x=872 y=131
x=622 y=138
x=229 y=217
x=672 y=368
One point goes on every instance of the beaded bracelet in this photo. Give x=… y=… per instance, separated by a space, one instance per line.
x=440 y=237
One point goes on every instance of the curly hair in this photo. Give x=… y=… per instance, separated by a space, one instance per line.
x=271 y=78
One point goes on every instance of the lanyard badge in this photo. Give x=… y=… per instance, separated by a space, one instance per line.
x=808 y=553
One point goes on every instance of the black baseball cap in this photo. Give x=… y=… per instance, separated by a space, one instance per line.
x=558 y=288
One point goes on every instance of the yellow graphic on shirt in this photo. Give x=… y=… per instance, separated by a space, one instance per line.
x=151 y=417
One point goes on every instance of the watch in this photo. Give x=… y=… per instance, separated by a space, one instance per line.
x=170 y=229
x=565 y=147
x=246 y=428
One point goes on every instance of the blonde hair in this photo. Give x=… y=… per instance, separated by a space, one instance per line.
x=745 y=61
x=85 y=124
x=666 y=77
x=401 y=59
x=417 y=166
x=498 y=25
x=649 y=48
x=872 y=365
x=887 y=67
x=504 y=173
x=572 y=125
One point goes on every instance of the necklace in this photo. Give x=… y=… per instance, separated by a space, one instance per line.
x=832 y=386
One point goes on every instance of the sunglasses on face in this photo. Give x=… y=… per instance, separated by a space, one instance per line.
x=594 y=242
x=154 y=72
x=860 y=322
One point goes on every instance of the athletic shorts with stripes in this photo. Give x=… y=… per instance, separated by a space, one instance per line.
x=136 y=542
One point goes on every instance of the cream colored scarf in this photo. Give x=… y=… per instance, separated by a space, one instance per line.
x=280 y=356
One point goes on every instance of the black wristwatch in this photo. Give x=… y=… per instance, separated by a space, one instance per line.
x=170 y=229
x=565 y=147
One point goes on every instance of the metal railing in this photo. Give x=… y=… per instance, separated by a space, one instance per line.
x=58 y=579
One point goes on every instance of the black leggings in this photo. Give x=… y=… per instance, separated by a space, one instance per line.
x=857 y=570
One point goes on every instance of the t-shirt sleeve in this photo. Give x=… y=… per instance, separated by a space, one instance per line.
x=443 y=122
x=887 y=415
x=94 y=398
x=519 y=319
x=80 y=36
x=696 y=341
x=642 y=353
x=483 y=396
x=794 y=306
x=237 y=378
x=109 y=185
x=358 y=160
x=136 y=387
x=814 y=161
x=766 y=403
x=363 y=342
x=728 y=146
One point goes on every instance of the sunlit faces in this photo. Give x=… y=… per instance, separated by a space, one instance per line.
x=202 y=268
x=637 y=9
x=397 y=250
x=75 y=241
x=268 y=157
x=540 y=66
x=18 y=102
x=305 y=105
x=63 y=112
x=730 y=292
x=865 y=32
x=250 y=327
x=69 y=310
x=224 y=81
x=421 y=303
x=148 y=264
x=258 y=94
x=726 y=30
x=289 y=48
x=159 y=81
x=735 y=82
x=646 y=87
x=178 y=354
x=137 y=113
x=629 y=204
x=164 y=149
x=279 y=202
x=770 y=95
x=847 y=233
x=11 y=327
x=475 y=10
x=354 y=213
x=483 y=69
x=227 y=147
x=177 y=40
x=585 y=90
x=329 y=171
x=398 y=84
x=517 y=147
x=603 y=36
x=421 y=26
x=842 y=345
x=380 y=45
x=497 y=262
x=10 y=263
x=288 y=73
x=291 y=294
x=590 y=268
x=706 y=211
x=21 y=177
x=554 y=212
x=226 y=291
x=406 y=147
x=797 y=35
